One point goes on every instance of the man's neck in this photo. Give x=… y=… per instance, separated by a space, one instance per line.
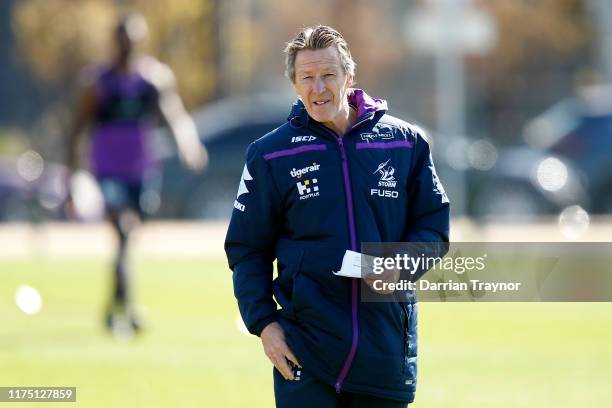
x=342 y=124
x=126 y=63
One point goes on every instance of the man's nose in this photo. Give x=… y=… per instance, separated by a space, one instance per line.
x=318 y=85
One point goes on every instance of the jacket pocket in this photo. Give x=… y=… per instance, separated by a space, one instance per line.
x=410 y=359
x=321 y=300
x=317 y=267
x=406 y=334
x=288 y=266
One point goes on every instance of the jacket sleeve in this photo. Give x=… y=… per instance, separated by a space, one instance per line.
x=429 y=208
x=250 y=242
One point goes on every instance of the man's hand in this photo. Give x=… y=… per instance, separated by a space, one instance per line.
x=277 y=350
x=194 y=157
x=388 y=276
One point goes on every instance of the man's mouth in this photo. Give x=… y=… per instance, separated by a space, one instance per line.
x=319 y=103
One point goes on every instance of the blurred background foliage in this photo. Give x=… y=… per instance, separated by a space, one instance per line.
x=57 y=38
x=220 y=48
x=545 y=48
x=520 y=95
x=541 y=53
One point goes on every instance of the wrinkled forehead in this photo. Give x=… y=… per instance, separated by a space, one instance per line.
x=325 y=58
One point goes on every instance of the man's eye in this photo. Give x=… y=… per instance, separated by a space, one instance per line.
x=330 y=75
x=307 y=77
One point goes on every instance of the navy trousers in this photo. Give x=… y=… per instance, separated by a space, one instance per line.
x=308 y=392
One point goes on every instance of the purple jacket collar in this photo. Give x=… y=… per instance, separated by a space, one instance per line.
x=357 y=98
x=364 y=103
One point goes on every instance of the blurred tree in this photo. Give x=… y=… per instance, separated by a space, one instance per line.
x=357 y=20
x=528 y=27
x=57 y=38
x=219 y=48
x=544 y=47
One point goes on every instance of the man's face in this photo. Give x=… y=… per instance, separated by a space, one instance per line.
x=124 y=43
x=129 y=36
x=321 y=83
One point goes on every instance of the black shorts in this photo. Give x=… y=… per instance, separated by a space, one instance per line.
x=139 y=196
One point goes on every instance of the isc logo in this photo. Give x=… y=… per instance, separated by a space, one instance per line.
x=296 y=139
x=384 y=193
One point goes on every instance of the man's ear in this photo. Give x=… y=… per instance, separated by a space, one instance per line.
x=349 y=81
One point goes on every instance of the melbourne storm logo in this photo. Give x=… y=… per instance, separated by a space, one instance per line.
x=386 y=175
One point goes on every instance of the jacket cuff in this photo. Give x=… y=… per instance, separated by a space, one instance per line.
x=260 y=325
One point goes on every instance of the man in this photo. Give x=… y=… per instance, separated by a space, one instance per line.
x=340 y=172
x=119 y=101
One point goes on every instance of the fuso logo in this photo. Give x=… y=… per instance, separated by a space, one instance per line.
x=384 y=193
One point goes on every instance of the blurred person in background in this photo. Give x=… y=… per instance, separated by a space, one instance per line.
x=339 y=173
x=118 y=103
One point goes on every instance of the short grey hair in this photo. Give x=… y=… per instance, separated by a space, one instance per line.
x=316 y=38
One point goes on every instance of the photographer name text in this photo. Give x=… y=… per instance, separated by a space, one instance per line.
x=425 y=285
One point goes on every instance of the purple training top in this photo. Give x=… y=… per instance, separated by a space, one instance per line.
x=122 y=145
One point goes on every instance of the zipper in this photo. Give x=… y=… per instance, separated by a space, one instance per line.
x=353 y=235
x=353 y=238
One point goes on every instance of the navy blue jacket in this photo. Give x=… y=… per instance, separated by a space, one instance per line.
x=306 y=196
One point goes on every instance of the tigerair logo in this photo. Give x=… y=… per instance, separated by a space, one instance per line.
x=308 y=188
x=298 y=173
x=386 y=175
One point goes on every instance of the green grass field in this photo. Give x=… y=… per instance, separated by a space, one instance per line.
x=193 y=355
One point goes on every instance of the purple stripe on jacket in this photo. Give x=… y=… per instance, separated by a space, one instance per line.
x=294 y=151
x=385 y=145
